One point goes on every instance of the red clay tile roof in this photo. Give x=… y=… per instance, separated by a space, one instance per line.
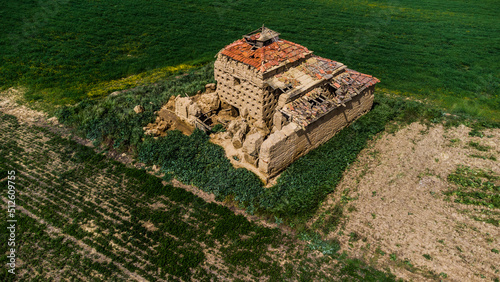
x=265 y=57
x=322 y=67
x=363 y=79
x=351 y=82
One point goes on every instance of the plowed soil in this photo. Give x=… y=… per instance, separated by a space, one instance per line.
x=396 y=211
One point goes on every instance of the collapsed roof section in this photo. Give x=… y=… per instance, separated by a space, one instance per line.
x=318 y=102
x=309 y=74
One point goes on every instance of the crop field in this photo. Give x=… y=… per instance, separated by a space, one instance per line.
x=477 y=187
x=83 y=216
x=65 y=50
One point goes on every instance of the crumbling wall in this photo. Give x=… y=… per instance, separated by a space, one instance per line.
x=284 y=146
x=243 y=87
x=270 y=102
x=240 y=85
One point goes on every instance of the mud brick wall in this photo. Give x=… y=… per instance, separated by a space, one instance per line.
x=243 y=87
x=270 y=102
x=283 y=147
x=240 y=85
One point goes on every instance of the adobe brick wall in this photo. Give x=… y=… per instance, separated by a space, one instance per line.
x=248 y=94
x=283 y=147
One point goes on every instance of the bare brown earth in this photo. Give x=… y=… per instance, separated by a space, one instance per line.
x=9 y=105
x=396 y=203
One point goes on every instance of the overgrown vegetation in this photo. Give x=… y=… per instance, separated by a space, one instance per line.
x=136 y=224
x=113 y=119
x=193 y=159
x=435 y=49
x=475 y=187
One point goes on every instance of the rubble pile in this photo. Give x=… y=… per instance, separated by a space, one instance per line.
x=187 y=113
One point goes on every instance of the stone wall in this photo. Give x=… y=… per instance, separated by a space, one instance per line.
x=283 y=147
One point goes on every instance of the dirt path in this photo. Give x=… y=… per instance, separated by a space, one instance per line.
x=397 y=205
x=9 y=106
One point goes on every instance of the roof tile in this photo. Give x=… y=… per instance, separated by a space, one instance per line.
x=275 y=52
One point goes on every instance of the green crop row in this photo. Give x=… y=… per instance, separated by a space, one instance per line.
x=35 y=248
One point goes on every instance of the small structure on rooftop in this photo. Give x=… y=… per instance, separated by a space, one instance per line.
x=277 y=100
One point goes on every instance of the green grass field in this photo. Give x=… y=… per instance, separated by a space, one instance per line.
x=444 y=50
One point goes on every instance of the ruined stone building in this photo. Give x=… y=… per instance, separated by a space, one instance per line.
x=305 y=98
x=286 y=99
